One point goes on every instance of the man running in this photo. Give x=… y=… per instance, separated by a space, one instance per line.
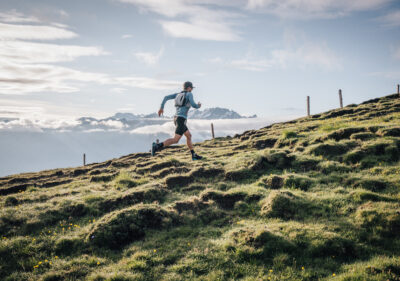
x=183 y=101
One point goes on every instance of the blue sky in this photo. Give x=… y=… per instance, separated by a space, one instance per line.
x=97 y=57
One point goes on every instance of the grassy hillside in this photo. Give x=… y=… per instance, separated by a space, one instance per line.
x=316 y=198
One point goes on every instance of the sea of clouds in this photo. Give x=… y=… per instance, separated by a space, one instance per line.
x=28 y=145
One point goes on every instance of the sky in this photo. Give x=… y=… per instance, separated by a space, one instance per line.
x=67 y=59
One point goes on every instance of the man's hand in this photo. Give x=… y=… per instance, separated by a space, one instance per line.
x=160 y=112
x=199 y=104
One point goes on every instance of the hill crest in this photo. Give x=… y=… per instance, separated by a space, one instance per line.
x=309 y=199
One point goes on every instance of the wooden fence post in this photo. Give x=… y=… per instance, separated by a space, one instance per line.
x=308 y=105
x=340 y=98
x=84 y=159
x=398 y=89
x=212 y=130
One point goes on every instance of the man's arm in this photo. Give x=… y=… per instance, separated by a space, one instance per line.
x=166 y=98
x=191 y=100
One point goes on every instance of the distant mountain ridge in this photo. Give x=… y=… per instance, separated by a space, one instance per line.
x=121 y=121
x=130 y=121
x=208 y=113
x=216 y=113
x=131 y=116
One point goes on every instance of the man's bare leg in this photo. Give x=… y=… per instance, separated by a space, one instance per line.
x=173 y=140
x=188 y=136
x=158 y=146
x=189 y=143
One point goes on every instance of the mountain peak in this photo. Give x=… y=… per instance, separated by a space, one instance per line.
x=125 y=115
x=215 y=113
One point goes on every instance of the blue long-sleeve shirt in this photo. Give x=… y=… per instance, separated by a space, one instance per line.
x=181 y=111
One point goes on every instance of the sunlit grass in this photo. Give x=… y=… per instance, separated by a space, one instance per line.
x=305 y=207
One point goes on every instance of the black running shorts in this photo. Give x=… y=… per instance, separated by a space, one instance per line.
x=180 y=124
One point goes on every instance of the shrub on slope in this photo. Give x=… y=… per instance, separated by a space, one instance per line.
x=124 y=226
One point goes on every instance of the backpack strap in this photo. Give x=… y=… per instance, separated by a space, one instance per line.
x=186 y=101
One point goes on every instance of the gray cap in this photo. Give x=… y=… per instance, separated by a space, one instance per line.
x=187 y=84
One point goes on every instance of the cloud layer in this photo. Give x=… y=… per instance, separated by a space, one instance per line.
x=302 y=56
x=14 y=16
x=201 y=20
x=217 y=20
x=29 y=67
x=201 y=129
x=391 y=19
x=28 y=119
x=314 y=9
x=150 y=58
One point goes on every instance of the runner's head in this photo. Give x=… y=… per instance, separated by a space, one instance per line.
x=188 y=86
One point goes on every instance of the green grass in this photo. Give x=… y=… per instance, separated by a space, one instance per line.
x=311 y=199
x=287 y=134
